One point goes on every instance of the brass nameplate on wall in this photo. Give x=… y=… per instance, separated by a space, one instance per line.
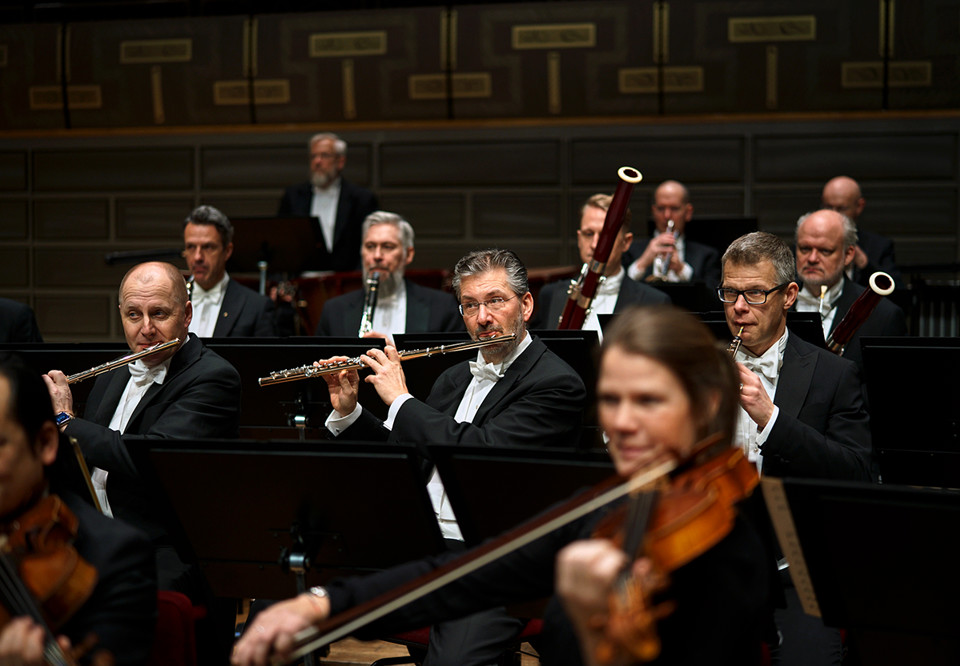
x=3 y=55
x=340 y=44
x=155 y=51
x=465 y=85
x=906 y=74
x=554 y=36
x=632 y=80
x=265 y=91
x=78 y=97
x=772 y=29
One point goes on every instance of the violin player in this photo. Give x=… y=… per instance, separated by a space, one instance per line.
x=663 y=387
x=120 y=610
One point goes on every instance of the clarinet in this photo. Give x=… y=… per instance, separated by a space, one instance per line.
x=369 y=303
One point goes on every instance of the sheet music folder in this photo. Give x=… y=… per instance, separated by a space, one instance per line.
x=879 y=561
x=229 y=505
x=285 y=243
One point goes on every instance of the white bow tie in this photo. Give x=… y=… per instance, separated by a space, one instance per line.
x=484 y=371
x=143 y=374
x=765 y=366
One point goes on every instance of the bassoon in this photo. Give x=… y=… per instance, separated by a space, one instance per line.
x=581 y=292
x=881 y=284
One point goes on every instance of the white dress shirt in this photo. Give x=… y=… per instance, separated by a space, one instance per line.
x=604 y=301
x=767 y=368
x=206 y=307
x=390 y=315
x=826 y=306
x=685 y=275
x=324 y=206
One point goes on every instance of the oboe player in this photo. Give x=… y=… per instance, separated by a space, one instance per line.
x=402 y=306
x=514 y=394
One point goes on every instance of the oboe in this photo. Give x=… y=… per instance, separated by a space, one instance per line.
x=735 y=343
x=355 y=363
x=369 y=303
x=122 y=361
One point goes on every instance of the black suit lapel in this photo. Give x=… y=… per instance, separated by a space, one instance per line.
x=847 y=296
x=229 y=313
x=796 y=375
x=186 y=356
x=517 y=370
x=116 y=383
x=418 y=311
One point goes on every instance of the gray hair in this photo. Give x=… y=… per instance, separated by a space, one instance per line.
x=210 y=215
x=481 y=261
x=401 y=225
x=339 y=145
x=850 y=236
x=760 y=246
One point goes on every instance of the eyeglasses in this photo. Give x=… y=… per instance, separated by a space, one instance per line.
x=494 y=305
x=751 y=296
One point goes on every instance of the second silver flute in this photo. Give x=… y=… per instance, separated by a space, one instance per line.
x=308 y=371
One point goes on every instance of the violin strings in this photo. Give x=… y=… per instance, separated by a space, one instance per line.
x=19 y=601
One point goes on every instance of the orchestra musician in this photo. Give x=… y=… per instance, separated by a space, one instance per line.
x=663 y=386
x=802 y=410
x=617 y=291
x=221 y=307
x=402 y=306
x=669 y=255
x=339 y=205
x=826 y=247
x=120 y=609
x=517 y=393
x=17 y=322
x=186 y=392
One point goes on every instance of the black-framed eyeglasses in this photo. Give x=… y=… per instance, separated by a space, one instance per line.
x=494 y=305
x=751 y=296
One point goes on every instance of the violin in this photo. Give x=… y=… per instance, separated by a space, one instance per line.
x=41 y=574
x=683 y=516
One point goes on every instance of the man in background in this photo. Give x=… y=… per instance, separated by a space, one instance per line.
x=17 y=322
x=339 y=205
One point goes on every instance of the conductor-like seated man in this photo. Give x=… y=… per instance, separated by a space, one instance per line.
x=402 y=306
x=183 y=392
x=340 y=205
x=221 y=307
x=617 y=291
x=516 y=393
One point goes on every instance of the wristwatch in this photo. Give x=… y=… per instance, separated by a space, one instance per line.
x=63 y=418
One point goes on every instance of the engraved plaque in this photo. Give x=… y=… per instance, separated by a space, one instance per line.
x=79 y=97
x=772 y=29
x=913 y=74
x=340 y=44
x=156 y=51
x=465 y=85
x=265 y=91
x=554 y=36
x=634 y=80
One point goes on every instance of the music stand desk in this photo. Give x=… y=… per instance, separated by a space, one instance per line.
x=285 y=243
x=230 y=506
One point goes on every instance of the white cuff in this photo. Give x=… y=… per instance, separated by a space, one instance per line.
x=763 y=434
x=395 y=409
x=337 y=422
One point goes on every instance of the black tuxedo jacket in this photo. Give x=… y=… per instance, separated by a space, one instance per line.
x=887 y=319
x=703 y=259
x=17 y=322
x=122 y=609
x=538 y=402
x=199 y=397
x=822 y=430
x=245 y=313
x=353 y=206
x=428 y=311
x=553 y=298
x=880 y=257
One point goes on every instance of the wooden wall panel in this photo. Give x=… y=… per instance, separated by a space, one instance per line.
x=14 y=268
x=75 y=318
x=701 y=159
x=438 y=216
x=429 y=164
x=13 y=171
x=158 y=220
x=13 y=219
x=75 y=267
x=507 y=217
x=234 y=206
x=30 y=77
x=127 y=169
x=71 y=219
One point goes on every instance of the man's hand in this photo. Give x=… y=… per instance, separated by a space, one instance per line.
x=659 y=245
x=754 y=398
x=60 y=394
x=387 y=377
x=342 y=386
x=375 y=334
x=273 y=630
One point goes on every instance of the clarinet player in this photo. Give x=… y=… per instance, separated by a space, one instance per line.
x=401 y=306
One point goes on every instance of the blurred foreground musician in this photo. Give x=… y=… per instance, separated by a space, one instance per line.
x=663 y=387
x=221 y=307
x=186 y=392
x=802 y=411
x=518 y=393
x=122 y=600
x=402 y=306
x=17 y=322
x=826 y=247
x=617 y=291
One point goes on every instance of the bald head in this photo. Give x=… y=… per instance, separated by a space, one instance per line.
x=157 y=272
x=671 y=201
x=154 y=308
x=842 y=194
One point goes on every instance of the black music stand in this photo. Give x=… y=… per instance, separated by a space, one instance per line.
x=914 y=413
x=718 y=232
x=236 y=507
x=879 y=561
x=495 y=489
x=276 y=244
x=304 y=404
